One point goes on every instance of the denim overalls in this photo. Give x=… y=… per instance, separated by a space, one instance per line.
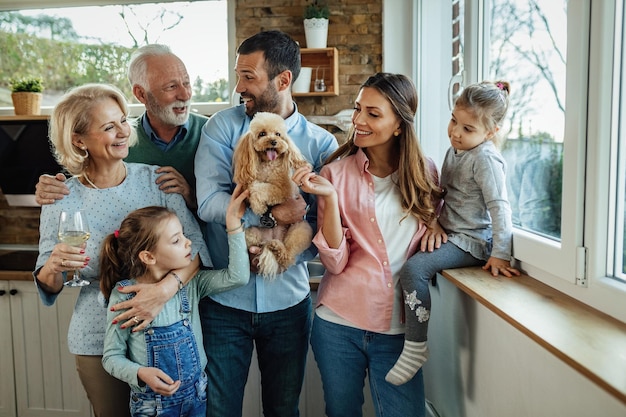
x=173 y=349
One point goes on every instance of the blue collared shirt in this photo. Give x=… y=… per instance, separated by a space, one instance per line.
x=214 y=185
x=164 y=146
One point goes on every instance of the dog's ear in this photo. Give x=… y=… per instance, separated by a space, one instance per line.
x=245 y=159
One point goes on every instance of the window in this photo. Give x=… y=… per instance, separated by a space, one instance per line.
x=528 y=48
x=95 y=40
x=618 y=211
x=566 y=64
x=534 y=45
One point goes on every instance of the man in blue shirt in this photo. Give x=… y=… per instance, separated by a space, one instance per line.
x=273 y=314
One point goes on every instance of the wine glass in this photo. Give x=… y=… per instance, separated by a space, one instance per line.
x=74 y=230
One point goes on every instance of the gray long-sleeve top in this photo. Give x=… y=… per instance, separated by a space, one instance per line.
x=477 y=214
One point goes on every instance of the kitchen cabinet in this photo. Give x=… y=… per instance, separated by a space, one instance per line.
x=325 y=65
x=37 y=373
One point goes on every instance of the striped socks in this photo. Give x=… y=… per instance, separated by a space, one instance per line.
x=413 y=356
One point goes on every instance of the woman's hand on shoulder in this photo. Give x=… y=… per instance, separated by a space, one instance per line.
x=142 y=308
x=433 y=237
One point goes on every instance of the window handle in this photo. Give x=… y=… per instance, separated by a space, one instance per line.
x=455 y=80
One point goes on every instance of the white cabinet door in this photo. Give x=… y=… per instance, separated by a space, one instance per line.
x=46 y=381
x=7 y=386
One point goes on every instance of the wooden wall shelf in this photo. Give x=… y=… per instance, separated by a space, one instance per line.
x=325 y=61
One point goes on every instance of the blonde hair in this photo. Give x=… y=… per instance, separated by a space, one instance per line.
x=119 y=256
x=489 y=102
x=418 y=186
x=73 y=115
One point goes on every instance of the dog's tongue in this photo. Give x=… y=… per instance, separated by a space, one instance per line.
x=271 y=154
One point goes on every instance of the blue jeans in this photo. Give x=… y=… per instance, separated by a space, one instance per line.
x=416 y=274
x=344 y=356
x=282 y=341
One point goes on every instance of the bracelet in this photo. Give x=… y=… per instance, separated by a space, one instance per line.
x=180 y=283
x=235 y=229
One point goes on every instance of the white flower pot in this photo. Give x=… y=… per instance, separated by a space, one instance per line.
x=302 y=84
x=316 y=32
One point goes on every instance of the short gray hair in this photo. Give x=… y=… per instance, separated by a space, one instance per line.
x=137 y=69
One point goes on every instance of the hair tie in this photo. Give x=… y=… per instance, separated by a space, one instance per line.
x=116 y=234
x=500 y=86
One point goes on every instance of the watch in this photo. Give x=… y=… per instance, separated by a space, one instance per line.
x=267 y=220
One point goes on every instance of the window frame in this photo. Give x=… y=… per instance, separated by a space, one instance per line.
x=136 y=109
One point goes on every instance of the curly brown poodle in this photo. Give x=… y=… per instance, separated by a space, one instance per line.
x=264 y=159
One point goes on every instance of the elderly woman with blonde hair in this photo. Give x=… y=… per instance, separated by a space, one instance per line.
x=91 y=135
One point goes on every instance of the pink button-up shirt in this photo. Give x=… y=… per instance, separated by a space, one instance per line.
x=358 y=283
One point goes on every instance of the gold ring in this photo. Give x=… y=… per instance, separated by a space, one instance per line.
x=135 y=320
x=62 y=262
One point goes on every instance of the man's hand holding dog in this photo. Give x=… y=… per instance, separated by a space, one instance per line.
x=291 y=211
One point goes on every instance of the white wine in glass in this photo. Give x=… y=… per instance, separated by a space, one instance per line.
x=73 y=231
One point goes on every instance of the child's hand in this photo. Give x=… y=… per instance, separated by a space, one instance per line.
x=236 y=207
x=159 y=381
x=500 y=266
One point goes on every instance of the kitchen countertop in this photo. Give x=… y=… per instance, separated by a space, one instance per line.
x=17 y=262
x=16 y=276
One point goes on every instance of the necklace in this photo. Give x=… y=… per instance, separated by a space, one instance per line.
x=89 y=181
x=95 y=186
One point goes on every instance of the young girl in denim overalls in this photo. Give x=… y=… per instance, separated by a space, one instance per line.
x=164 y=363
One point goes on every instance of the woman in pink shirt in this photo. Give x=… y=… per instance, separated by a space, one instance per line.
x=378 y=196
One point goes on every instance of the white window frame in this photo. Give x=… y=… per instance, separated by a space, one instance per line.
x=591 y=108
x=135 y=109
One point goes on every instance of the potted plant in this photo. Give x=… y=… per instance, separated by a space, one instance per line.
x=26 y=95
x=316 y=24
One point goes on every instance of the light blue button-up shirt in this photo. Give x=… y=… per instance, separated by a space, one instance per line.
x=214 y=185
x=164 y=146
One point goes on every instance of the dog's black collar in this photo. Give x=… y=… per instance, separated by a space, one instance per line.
x=267 y=220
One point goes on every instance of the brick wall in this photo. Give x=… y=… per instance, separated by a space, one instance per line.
x=355 y=29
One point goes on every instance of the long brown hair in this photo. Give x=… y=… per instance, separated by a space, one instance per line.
x=119 y=256
x=418 y=186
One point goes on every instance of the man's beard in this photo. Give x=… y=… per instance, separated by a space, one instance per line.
x=166 y=113
x=266 y=102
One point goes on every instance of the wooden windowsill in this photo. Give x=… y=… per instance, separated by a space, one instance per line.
x=588 y=340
